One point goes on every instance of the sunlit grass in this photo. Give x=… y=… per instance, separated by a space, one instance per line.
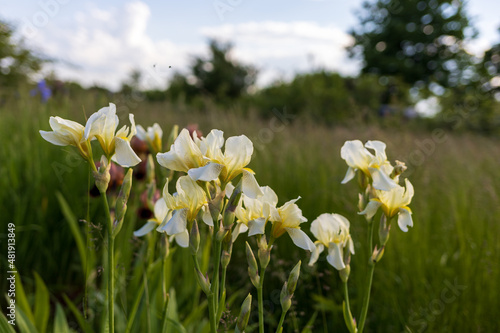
x=455 y=240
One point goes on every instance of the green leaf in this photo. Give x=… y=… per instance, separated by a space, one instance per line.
x=24 y=323
x=42 y=304
x=348 y=317
x=75 y=230
x=309 y=325
x=22 y=301
x=323 y=303
x=78 y=315
x=196 y=315
x=5 y=326
x=132 y=314
x=176 y=326
x=60 y=322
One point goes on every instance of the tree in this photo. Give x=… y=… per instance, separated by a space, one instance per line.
x=17 y=62
x=490 y=69
x=418 y=40
x=218 y=76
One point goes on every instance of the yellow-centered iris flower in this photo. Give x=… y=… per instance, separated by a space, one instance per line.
x=393 y=202
x=332 y=232
x=203 y=159
x=161 y=212
x=185 y=205
x=252 y=214
x=237 y=154
x=102 y=126
x=184 y=154
x=152 y=136
x=375 y=167
x=66 y=132
x=288 y=218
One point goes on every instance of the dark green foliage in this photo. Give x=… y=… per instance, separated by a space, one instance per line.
x=218 y=77
x=417 y=40
x=16 y=60
x=328 y=97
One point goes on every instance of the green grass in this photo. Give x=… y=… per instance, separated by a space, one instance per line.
x=455 y=239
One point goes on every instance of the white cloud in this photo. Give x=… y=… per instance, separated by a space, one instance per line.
x=103 y=46
x=280 y=49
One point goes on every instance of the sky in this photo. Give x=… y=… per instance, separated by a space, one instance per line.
x=102 y=42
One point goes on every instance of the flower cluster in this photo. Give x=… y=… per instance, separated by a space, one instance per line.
x=214 y=185
x=379 y=182
x=253 y=215
x=100 y=126
x=212 y=164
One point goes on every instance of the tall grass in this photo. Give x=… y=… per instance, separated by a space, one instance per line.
x=455 y=239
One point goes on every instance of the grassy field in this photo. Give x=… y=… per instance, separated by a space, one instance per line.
x=441 y=276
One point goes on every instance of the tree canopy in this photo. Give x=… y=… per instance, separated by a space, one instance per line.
x=217 y=76
x=417 y=40
x=16 y=60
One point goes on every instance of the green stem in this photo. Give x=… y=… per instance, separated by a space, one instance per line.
x=196 y=263
x=111 y=265
x=366 y=300
x=346 y=295
x=152 y=237
x=223 y=281
x=280 y=325
x=221 y=305
x=261 y=300
x=87 y=251
x=347 y=310
x=165 y=318
x=165 y=270
x=211 y=310
x=215 y=279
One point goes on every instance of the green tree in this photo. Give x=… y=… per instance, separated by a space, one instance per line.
x=490 y=69
x=325 y=97
x=417 y=40
x=476 y=105
x=217 y=76
x=17 y=62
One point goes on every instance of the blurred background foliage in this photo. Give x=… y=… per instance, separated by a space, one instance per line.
x=411 y=50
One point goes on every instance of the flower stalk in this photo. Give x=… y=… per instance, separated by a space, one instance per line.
x=371 y=269
x=111 y=265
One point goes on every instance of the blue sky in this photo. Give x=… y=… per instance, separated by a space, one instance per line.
x=101 y=42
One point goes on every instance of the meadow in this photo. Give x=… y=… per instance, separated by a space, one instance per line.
x=441 y=276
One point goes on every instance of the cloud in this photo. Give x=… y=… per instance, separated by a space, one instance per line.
x=104 y=46
x=287 y=47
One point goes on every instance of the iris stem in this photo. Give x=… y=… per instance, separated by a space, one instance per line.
x=111 y=264
x=371 y=264
x=165 y=269
x=348 y=307
x=261 y=300
x=215 y=279
x=222 y=293
x=280 y=325
x=212 y=311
